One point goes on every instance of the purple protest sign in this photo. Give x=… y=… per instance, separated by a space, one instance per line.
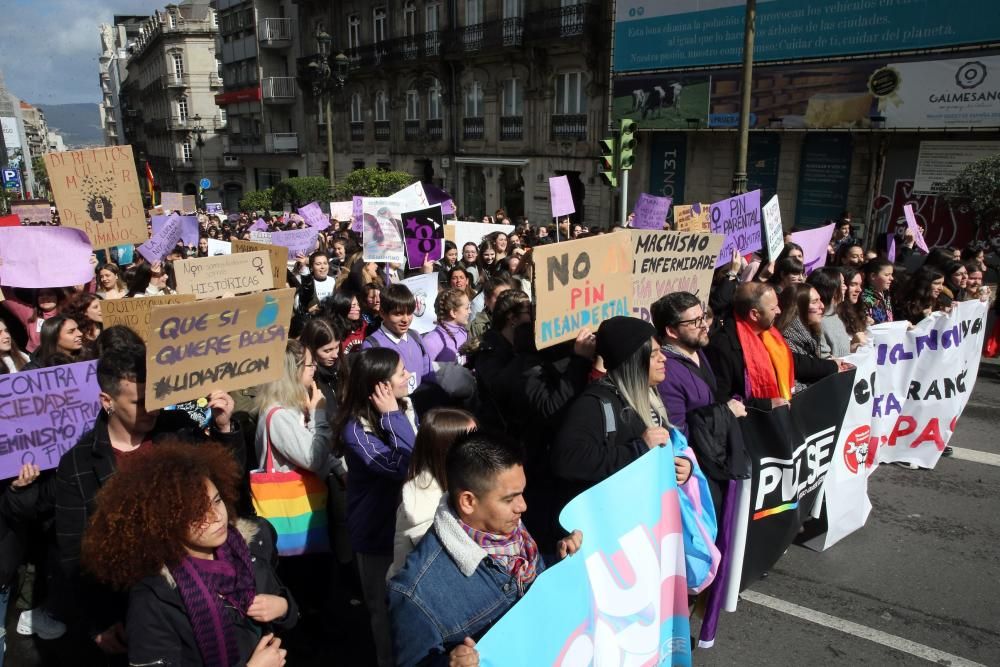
x=296 y=240
x=651 y=211
x=45 y=412
x=562 y=197
x=890 y=247
x=213 y=208
x=815 y=244
x=358 y=214
x=258 y=226
x=737 y=219
x=424 y=233
x=189 y=227
x=27 y=254
x=163 y=241
x=911 y=224
x=314 y=216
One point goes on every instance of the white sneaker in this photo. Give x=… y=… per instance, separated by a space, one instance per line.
x=39 y=622
x=24 y=624
x=905 y=464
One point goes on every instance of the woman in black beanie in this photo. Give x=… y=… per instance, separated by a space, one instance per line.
x=620 y=417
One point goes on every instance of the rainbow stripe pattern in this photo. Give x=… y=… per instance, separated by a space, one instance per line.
x=295 y=504
x=775 y=510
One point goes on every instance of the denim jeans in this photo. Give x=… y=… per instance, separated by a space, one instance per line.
x=4 y=598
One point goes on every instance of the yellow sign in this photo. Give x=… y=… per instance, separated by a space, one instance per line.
x=134 y=313
x=692 y=217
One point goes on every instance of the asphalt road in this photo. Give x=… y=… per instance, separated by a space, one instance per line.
x=924 y=571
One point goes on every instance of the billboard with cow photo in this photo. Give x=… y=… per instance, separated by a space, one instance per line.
x=663 y=102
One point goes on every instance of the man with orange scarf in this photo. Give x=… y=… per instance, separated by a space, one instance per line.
x=752 y=361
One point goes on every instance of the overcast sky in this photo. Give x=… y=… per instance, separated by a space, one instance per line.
x=49 y=48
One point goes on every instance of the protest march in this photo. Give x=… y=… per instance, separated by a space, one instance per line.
x=216 y=427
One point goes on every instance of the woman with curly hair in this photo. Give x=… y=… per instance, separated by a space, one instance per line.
x=445 y=341
x=201 y=581
x=85 y=308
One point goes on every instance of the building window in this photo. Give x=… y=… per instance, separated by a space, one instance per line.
x=434 y=101
x=570 y=95
x=381 y=106
x=178 y=65
x=186 y=151
x=412 y=105
x=474 y=100
x=513 y=9
x=353 y=31
x=215 y=19
x=513 y=98
x=222 y=117
x=473 y=12
x=431 y=17
x=356 y=116
x=380 y=25
x=173 y=19
x=357 y=164
x=182 y=108
x=410 y=19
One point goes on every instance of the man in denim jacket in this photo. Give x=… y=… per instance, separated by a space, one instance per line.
x=475 y=563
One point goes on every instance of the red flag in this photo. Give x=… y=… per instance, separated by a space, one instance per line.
x=10 y=221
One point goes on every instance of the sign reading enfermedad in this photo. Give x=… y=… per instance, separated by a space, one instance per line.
x=97 y=191
x=134 y=313
x=228 y=344
x=665 y=262
x=209 y=277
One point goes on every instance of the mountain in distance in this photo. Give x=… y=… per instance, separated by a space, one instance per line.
x=79 y=124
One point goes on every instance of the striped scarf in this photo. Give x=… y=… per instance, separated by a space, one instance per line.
x=517 y=553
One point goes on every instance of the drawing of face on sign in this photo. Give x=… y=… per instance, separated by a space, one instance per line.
x=421 y=297
x=97 y=191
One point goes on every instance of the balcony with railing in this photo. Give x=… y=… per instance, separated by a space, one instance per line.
x=181 y=163
x=435 y=129
x=275 y=33
x=400 y=50
x=180 y=123
x=278 y=89
x=383 y=130
x=175 y=80
x=563 y=22
x=569 y=127
x=473 y=128
x=511 y=128
x=214 y=81
x=411 y=130
x=488 y=36
x=357 y=131
x=230 y=162
x=281 y=142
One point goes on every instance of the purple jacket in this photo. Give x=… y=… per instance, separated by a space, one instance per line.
x=413 y=352
x=441 y=346
x=684 y=388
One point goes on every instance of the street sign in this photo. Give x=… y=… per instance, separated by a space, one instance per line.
x=11 y=179
x=205 y=184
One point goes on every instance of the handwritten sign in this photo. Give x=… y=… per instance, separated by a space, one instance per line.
x=383 y=241
x=32 y=213
x=172 y=201
x=357 y=214
x=189 y=227
x=213 y=208
x=424 y=232
x=44 y=412
x=562 y=196
x=134 y=313
x=229 y=344
x=665 y=262
x=774 y=233
x=692 y=217
x=278 y=255
x=911 y=224
x=44 y=257
x=189 y=204
x=412 y=197
x=580 y=284
x=297 y=241
x=341 y=211
x=97 y=192
x=164 y=240
x=314 y=216
x=738 y=219
x=651 y=211
x=209 y=277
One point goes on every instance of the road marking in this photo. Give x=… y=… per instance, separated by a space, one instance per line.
x=858 y=630
x=976 y=456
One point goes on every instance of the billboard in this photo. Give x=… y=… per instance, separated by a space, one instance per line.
x=652 y=35
x=963 y=92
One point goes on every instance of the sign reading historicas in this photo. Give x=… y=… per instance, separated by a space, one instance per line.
x=210 y=277
x=277 y=253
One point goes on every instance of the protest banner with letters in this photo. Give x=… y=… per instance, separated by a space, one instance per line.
x=461 y=232
x=27 y=257
x=341 y=211
x=314 y=216
x=172 y=201
x=692 y=217
x=297 y=241
x=424 y=232
x=277 y=254
x=580 y=284
x=622 y=598
x=164 y=240
x=665 y=262
x=425 y=290
x=32 y=213
x=650 y=212
x=209 y=277
x=357 y=214
x=815 y=243
x=561 y=196
x=738 y=219
x=213 y=208
x=217 y=247
x=44 y=412
x=774 y=232
x=228 y=344
x=134 y=313
x=189 y=227
x=382 y=235
x=97 y=191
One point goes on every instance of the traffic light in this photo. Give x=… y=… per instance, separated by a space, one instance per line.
x=607 y=170
x=626 y=145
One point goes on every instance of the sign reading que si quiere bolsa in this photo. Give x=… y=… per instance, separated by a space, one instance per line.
x=227 y=344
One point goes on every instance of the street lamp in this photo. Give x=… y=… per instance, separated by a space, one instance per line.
x=325 y=81
x=198 y=130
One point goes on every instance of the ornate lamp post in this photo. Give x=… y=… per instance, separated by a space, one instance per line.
x=325 y=81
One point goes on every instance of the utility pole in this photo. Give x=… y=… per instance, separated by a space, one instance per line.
x=740 y=175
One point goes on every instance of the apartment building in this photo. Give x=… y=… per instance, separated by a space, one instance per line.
x=112 y=68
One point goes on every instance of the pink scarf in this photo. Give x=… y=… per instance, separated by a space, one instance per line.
x=516 y=552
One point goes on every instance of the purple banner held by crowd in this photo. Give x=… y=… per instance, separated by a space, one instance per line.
x=297 y=241
x=27 y=254
x=651 y=212
x=738 y=219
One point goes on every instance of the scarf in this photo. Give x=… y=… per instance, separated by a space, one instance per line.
x=517 y=553
x=207 y=587
x=770 y=369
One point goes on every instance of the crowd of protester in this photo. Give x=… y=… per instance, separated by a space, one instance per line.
x=447 y=456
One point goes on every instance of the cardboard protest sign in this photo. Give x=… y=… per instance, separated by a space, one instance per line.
x=561 y=196
x=383 y=241
x=314 y=216
x=217 y=247
x=172 y=201
x=44 y=257
x=134 y=313
x=461 y=232
x=911 y=224
x=234 y=343
x=209 y=277
x=213 y=208
x=297 y=241
x=425 y=291
x=651 y=212
x=738 y=219
x=580 y=284
x=665 y=262
x=412 y=197
x=189 y=227
x=357 y=214
x=277 y=254
x=424 y=232
x=189 y=204
x=163 y=240
x=341 y=211
x=33 y=213
x=692 y=217
x=44 y=412
x=815 y=243
x=774 y=233
x=97 y=191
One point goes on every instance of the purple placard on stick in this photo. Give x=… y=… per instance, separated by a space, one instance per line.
x=314 y=216
x=27 y=254
x=424 y=232
x=911 y=224
x=45 y=412
x=890 y=247
x=562 y=197
x=651 y=211
x=163 y=241
x=189 y=227
x=358 y=214
x=296 y=240
x=213 y=208
x=258 y=226
x=738 y=219
x=815 y=243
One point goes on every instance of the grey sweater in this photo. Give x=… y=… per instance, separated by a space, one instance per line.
x=835 y=343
